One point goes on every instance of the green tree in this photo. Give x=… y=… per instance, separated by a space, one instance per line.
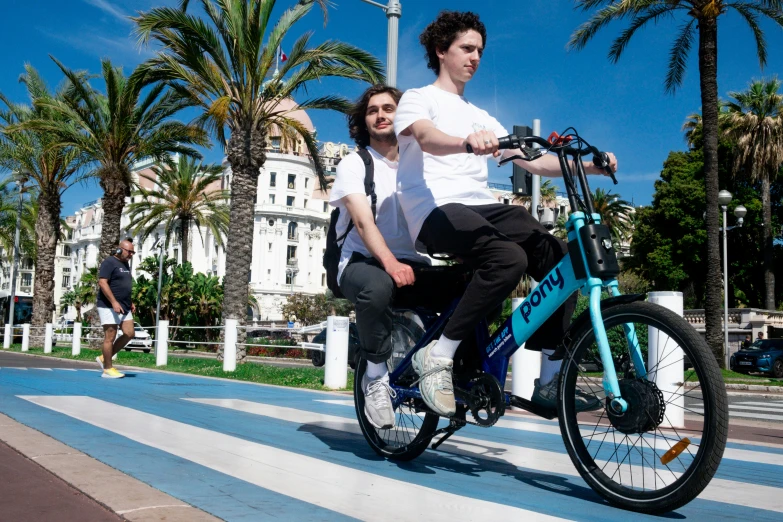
x=224 y=63
x=548 y=193
x=52 y=170
x=313 y=309
x=701 y=21
x=82 y=293
x=615 y=213
x=115 y=130
x=182 y=195
x=9 y=208
x=754 y=122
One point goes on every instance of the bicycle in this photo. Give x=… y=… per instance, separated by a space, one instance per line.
x=628 y=450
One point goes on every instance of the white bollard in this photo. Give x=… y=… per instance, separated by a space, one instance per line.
x=7 y=337
x=76 y=343
x=162 y=343
x=670 y=375
x=25 y=337
x=525 y=365
x=48 y=338
x=230 y=346
x=336 y=367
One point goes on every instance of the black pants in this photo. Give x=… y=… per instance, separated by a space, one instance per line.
x=373 y=292
x=500 y=243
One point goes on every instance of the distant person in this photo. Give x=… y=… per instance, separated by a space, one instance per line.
x=760 y=337
x=747 y=342
x=114 y=305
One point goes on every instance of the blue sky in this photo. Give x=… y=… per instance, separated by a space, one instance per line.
x=526 y=71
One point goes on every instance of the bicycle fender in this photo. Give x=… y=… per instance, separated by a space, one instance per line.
x=584 y=318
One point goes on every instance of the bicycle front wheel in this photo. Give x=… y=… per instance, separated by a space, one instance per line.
x=663 y=451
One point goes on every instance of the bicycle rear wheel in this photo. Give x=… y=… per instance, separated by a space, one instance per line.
x=414 y=427
x=645 y=459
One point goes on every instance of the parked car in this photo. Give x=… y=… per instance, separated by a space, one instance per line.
x=319 y=358
x=141 y=339
x=764 y=356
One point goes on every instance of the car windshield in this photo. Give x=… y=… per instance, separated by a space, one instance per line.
x=137 y=327
x=766 y=344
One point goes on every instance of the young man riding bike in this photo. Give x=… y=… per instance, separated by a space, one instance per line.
x=370 y=273
x=443 y=194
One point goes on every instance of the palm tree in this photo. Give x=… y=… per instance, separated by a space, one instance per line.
x=701 y=20
x=9 y=208
x=181 y=196
x=548 y=193
x=754 y=122
x=52 y=170
x=82 y=292
x=116 y=130
x=225 y=62
x=615 y=213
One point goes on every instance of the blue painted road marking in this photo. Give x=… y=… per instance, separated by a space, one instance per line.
x=520 y=465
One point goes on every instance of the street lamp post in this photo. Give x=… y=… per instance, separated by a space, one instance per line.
x=21 y=179
x=724 y=198
x=393 y=12
x=160 y=282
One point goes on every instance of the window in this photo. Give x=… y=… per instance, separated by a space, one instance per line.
x=306 y=180
x=270 y=247
x=176 y=254
x=27 y=264
x=27 y=279
x=66 y=281
x=290 y=278
x=271 y=199
x=305 y=204
x=66 y=250
x=326 y=206
x=66 y=270
x=276 y=143
x=290 y=254
x=273 y=179
x=323 y=279
x=292 y=181
x=292 y=231
x=289 y=201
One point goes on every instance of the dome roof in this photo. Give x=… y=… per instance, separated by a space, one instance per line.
x=286 y=105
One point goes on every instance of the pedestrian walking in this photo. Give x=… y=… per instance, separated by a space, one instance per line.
x=114 y=306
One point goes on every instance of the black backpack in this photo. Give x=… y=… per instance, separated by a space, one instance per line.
x=334 y=245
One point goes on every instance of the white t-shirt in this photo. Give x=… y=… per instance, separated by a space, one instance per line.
x=426 y=181
x=389 y=219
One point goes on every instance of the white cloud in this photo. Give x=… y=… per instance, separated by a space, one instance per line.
x=109 y=8
x=121 y=50
x=649 y=176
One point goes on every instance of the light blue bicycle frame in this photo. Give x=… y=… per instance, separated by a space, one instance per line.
x=543 y=301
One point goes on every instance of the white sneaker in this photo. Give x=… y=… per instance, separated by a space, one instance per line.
x=378 y=406
x=99 y=360
x=435 y=380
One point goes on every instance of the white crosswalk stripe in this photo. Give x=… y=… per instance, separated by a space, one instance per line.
x=345 y=490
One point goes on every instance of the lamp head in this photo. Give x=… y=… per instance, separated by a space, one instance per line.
x=740 y=211
x=724 y=197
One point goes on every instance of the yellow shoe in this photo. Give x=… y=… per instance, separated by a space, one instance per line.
x=99 y=360
x=112 y=373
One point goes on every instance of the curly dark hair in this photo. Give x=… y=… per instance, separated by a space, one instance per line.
x=357 y=127
x=440 y=34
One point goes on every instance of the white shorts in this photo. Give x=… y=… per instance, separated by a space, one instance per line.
x=109 y=316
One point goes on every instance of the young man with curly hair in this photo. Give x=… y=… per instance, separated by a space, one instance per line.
x=449 y=209
x=370 y=273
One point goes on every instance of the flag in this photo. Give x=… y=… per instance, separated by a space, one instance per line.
x=283 y=56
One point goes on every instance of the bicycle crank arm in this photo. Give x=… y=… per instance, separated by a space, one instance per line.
x=532 y=407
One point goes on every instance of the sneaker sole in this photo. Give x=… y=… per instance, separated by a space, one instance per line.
x=105 y=376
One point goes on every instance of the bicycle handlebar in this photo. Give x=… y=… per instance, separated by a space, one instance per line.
x=512 y=141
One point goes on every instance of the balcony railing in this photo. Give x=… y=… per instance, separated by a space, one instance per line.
x=292 y=262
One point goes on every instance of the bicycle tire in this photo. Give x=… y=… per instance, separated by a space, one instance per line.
x=684 y=486
x=414 y=429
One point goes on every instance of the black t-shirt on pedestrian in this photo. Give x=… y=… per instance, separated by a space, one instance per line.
x=120 y=282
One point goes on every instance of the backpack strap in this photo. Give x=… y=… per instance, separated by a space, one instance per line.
x=369 y=186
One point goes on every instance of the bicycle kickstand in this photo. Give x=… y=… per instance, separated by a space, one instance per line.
x=449 y=430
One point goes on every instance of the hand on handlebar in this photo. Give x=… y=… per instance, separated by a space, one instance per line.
x=482 y=143
x=606 y=164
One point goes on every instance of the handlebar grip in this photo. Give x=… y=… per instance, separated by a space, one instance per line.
x=602 y=161
x=469 y=148
x=506 y=142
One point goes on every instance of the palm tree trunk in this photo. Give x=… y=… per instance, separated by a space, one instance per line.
x=184 y=233
x=769 y=275
x=114 y=190
x=708 y=69
x=47 y=231
x=245 y=152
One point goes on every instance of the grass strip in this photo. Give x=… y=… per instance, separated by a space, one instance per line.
x=310 y=378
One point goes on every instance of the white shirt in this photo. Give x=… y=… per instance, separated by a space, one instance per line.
x=389 y=219
x=426 y=182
